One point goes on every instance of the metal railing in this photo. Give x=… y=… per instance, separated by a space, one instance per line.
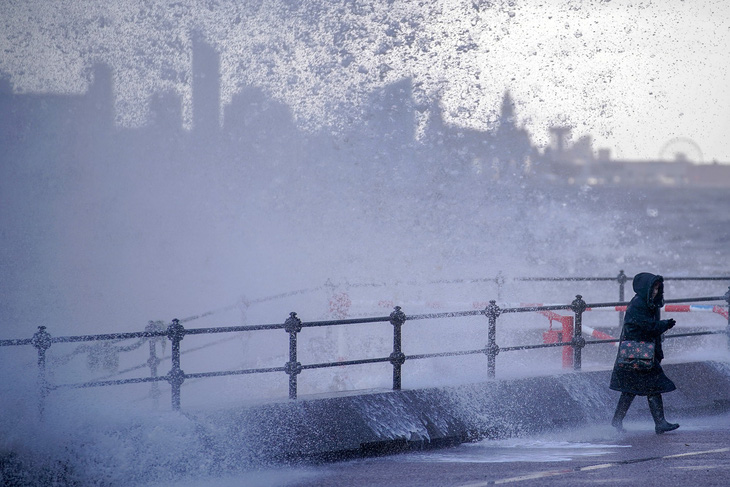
x=176 y=332
x=621 y=279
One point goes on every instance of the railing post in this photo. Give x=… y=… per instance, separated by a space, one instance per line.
x=175 y=332
x=727 y=298
x=621 y=278
x=578 y=306
x=492 y=311
x=42 y=341
x=397 y=358
x=154 y=361
x=293 y=325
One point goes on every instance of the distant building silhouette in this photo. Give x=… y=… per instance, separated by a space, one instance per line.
x=512 y=148
x=577 y=164
x=258 y=134
x=100 y=97
x=206 y=89
x=166 y=110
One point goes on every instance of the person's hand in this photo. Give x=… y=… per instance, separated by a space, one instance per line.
x=671 y=323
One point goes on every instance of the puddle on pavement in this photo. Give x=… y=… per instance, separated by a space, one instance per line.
x=517 y=450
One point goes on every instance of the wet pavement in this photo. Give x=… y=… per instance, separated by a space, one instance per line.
x=696 y=454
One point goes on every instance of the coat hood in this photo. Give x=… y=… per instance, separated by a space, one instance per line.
x=643 y=282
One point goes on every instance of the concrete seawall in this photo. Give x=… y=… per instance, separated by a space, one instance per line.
x=377 y=422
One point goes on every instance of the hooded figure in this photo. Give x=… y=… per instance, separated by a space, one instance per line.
x=642 y=322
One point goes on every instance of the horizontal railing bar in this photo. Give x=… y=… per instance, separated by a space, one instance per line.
x=679 y=335
x=420 y=283
x=549 y=345
x=447 y=314
x=628 y=278
x=17 y=341
x=605 y=340
x=558 y=344
x=566 y=278
x=529 y=347
x=223 y=373
x=604 y=305
x=695 y=300
x=233 y=329
x=607 y=305
x=527 y=309
x=445 y=354
x=108 y=336
x=552 y=307
x=281 y=326
x=697 y=278
x=462 y=281
x=598 y=342
x=135 y=380
x=350 y=321
x=346 y=362
x=666 y=301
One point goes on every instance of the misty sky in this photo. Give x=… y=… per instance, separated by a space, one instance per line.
x=633 y=74
x=113 y=238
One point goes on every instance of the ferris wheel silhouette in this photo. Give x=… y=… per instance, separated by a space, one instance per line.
x=681 y=148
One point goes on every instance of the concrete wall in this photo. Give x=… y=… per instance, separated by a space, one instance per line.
x=387 y=421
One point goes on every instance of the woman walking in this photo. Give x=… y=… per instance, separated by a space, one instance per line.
x=643 y=327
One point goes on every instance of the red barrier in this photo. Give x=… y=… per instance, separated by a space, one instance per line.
x=677 y=308
x=721 y=311
x=565 y=335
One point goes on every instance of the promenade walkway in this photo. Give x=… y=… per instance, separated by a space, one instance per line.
x=697 y=454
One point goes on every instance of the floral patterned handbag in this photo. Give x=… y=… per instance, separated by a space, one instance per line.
x=636 y=355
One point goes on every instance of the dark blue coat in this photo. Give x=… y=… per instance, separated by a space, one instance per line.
x=642 y=322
